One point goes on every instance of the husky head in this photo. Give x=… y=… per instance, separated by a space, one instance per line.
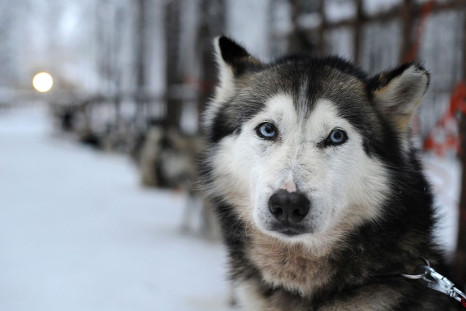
x=303 y=147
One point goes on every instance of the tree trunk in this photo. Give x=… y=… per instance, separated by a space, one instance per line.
x=407 y=35
x=172 y=72
x=357 y=31
x=321 y=46
x=141 y=27
x=212 y=23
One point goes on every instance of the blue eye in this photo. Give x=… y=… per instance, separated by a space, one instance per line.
x=267 y=131
x=337 y=137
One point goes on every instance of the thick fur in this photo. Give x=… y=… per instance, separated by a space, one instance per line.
x=371 y=215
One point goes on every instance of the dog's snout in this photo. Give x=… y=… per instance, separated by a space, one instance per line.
x=289 y=207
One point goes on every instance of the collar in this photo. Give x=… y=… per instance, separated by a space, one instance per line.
x=432 y=279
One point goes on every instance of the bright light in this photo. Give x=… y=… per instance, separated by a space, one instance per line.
x=42 y=82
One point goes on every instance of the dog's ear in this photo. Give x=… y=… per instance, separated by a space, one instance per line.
x=398 y=92
x=233 y=60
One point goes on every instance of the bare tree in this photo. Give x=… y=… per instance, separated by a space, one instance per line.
x=140 y=62
x=212 y=22
x=116 y=70
x=102 y=38
x=174 y=78
x=7 y=46
x=408 y=23
x=357 y=31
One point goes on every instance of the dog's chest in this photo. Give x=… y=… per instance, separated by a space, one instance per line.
x=289 y=266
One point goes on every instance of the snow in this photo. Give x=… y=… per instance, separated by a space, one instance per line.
x=78 y=232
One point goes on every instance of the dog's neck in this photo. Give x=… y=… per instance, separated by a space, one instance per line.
x=307 y=269
x=294 y=267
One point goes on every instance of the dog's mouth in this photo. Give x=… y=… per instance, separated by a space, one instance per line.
x=289 y=230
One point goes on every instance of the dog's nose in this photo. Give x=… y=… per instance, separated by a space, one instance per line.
x=289 y=207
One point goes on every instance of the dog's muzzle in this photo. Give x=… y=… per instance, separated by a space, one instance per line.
x=289 y=209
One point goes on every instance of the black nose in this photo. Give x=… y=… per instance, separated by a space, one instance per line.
x=289 y=207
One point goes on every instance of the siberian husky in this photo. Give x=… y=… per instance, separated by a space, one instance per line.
x=321 y=195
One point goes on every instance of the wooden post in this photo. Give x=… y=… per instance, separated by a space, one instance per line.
x=321 y=47
x=212 y=23
x=172 y=69
x=407 y=35
x=357 y=31
x=141 y=58
x=116 y=68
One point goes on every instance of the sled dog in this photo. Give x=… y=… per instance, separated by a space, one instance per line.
x=321 y=196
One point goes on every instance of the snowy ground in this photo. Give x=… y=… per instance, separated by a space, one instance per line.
x=77 y=232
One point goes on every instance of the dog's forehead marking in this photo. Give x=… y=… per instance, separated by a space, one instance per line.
x=324 y=117
x=302 y=100
x=317 y=117
x=280 y=108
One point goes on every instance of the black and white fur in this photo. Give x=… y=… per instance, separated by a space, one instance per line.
x=369 y=209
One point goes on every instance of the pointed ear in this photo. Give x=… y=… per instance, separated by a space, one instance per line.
x=398 y=92
x=233 y=60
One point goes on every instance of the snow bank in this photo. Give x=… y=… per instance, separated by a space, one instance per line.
x=77 y=232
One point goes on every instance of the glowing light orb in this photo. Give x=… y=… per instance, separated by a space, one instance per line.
x=42 y=82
